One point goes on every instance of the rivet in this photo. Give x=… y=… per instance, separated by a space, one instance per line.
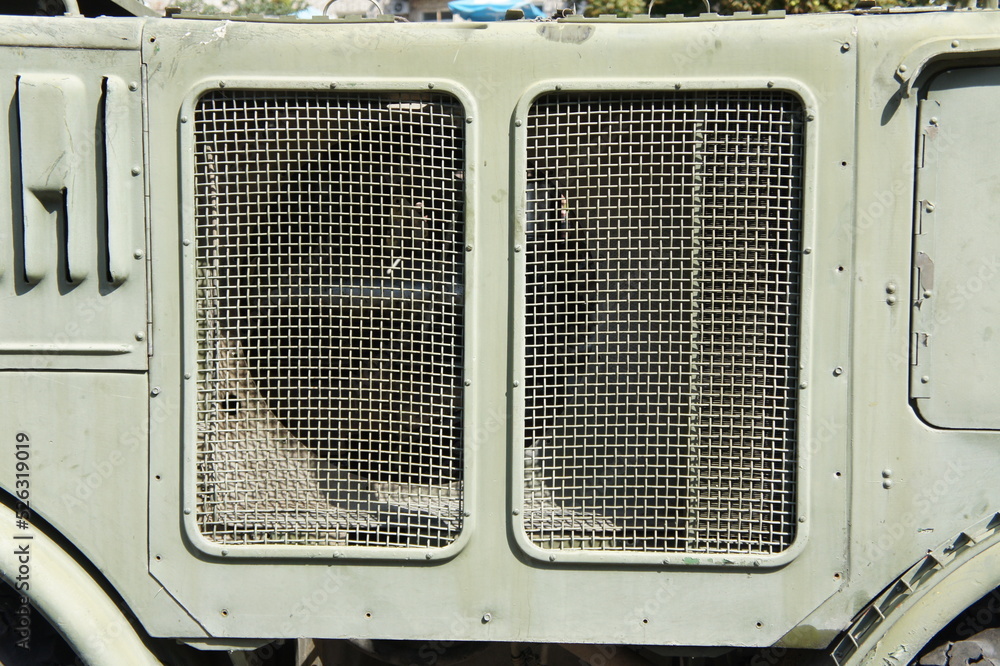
x=955 y=44
x=902 y=69
x=756 y=563
x=770 y=84
x=891 y=300
x=186 y=242
x=928 y=293
x=934 y=120
x=184 y=119
x=187 y=512
x=487 y=617
x=140 y=336
x=886 y=473
x=468 y=119
x=468 y=382
x=838 y=371
x=807 y=250
x=428 y=556
x=552 y=558
x=468 y=248
x=810 y=117
x=225 y=552
x=467 y=514
x=517 y=123
x=887 y=484
x=187 y=375
x=133 y=86
x=677 y=86
x=516 y=512
x=337 y=554
x=517 y=248
x=804 y=385
x=559 y=87
x=925 y=379
x=222 y=84
x=430 y=85
x=138 y=254
x=136 y=171
x=929 y=207
x=155 y=392
x=332 y=86
x=802 y=519
x=845 y=47
x=890 y=288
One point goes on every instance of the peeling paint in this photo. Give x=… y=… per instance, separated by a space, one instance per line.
x=566 y=34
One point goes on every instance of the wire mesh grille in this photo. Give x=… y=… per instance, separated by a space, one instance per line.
x=662 y=309
x=330 y=241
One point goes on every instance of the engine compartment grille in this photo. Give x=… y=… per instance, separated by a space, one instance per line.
x=330 y=305
x=663 y=234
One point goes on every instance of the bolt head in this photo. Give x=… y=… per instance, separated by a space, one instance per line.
x=487 y=617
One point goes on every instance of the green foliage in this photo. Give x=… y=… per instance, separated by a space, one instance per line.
x=244 y=7
x=619 y=7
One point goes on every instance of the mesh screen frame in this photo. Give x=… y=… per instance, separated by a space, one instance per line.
x=593 y=546
x=452 y=502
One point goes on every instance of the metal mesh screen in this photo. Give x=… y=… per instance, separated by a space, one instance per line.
x=662 y=290
x=330 y=244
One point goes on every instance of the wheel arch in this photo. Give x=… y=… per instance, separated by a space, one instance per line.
x=68 y=596
x=894 y=627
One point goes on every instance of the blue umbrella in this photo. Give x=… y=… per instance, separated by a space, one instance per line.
x=493 y=10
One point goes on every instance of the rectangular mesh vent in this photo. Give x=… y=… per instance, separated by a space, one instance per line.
x=330 y=244
x=662 y=311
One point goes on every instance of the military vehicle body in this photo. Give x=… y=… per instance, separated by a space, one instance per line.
x=671 y=333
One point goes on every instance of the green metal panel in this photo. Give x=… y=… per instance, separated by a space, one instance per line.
x=73 y=256
x=956 y=255
x=447 y=597
x=878 y=487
